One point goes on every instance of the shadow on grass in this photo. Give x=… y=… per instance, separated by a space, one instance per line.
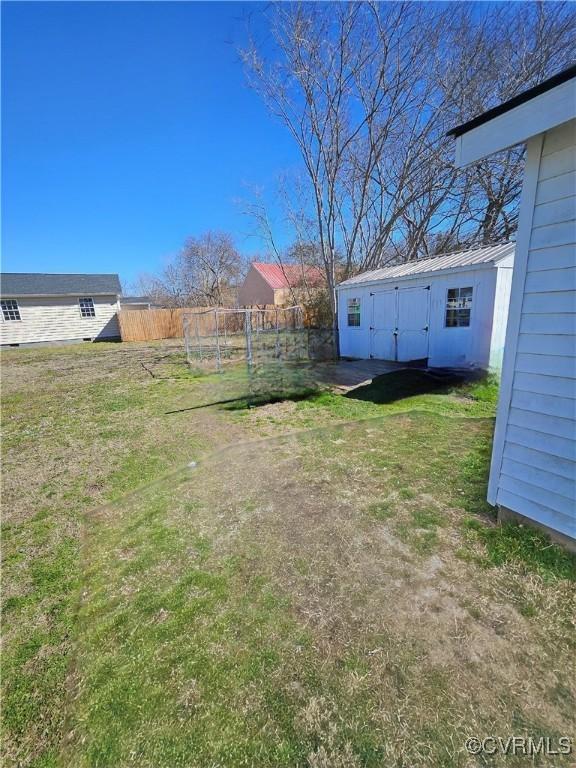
x=398 y=385
x=382 y=390
x=258 y=400
x=251 y=401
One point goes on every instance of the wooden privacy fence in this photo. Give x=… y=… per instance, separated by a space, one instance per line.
x=150 y=324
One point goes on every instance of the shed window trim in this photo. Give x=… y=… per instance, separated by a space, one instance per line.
x=458 y=307
x=353 y=313
x=10 y=310
x=87 y=309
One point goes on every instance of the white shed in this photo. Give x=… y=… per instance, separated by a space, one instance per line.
x=450 y=310
x=41 y=308
x=533 y=469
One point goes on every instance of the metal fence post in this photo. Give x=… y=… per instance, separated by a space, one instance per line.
x=277 y=336
x=248 y=331
x=218 y=359
x=186 y=324
x=198 y=337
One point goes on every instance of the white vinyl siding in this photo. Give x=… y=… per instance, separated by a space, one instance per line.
x=541 y=113
x=58 y=318
x=501 y=306
x=537 y=470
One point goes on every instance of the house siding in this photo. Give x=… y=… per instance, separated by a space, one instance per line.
x=537 y=467
x=500 y=316
x=58 y=318
x=284 y=297
x=255 y=290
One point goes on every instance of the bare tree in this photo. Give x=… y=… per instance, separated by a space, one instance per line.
x=341 y=88
x=368 y=92
x=167 y=289
x=206 y=272
x=213 y=266
x=509 y=48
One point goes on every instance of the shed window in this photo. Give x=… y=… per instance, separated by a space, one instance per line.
x=458 y=307
x=353 y=313
x=87 y=307
x=10 y=310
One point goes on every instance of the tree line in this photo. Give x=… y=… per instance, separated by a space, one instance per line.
x=368 y=92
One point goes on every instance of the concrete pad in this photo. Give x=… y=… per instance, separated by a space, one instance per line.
x=344 y=375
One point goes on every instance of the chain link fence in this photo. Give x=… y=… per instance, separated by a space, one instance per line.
x=218 y=337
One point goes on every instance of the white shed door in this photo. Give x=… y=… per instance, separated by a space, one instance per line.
x=383 y=328
x=413 y=321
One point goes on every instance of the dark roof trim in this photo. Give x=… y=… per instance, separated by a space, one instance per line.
x=521 y=98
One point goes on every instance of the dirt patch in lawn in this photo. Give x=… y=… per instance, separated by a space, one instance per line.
x=320 y=574
x=183 y=592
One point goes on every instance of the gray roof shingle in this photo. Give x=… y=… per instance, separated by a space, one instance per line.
x=43 y=284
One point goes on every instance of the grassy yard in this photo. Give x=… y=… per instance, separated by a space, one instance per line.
x=193 y=577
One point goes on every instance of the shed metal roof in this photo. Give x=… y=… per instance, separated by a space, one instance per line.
x=447 y=261
x=43 y=284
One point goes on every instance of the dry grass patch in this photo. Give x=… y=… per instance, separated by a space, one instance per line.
x=339 y=638
x=81 y=425
x=337 y=595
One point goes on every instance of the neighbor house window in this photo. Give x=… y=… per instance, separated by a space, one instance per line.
x=87 y=307
x=10 y=309
x=353 y=313
x=458 y=306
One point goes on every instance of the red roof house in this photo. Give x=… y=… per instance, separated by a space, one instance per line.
x=276 y=284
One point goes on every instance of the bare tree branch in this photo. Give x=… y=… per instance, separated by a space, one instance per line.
x=368 y=91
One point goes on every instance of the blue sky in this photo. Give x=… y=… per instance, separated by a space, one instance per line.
x=127 y=127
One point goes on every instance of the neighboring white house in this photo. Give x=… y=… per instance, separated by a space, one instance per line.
x=40 y=308
x=450 y=310
x=533 y=470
